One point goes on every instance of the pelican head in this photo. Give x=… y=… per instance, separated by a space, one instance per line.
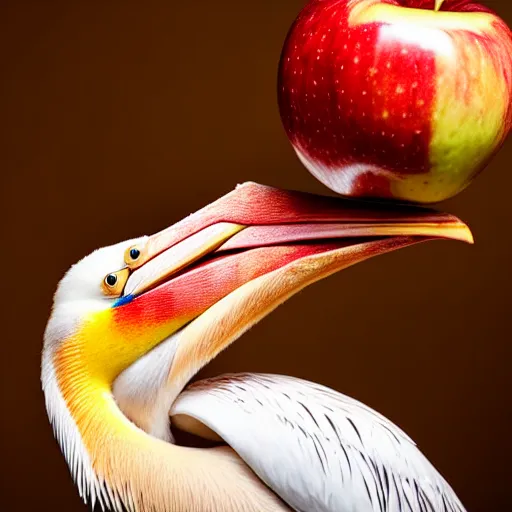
x=133 y=322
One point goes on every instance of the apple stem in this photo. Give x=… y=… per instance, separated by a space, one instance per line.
x=438 y=5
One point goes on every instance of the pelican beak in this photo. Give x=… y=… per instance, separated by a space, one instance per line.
x=256 y=216
x=244 y=254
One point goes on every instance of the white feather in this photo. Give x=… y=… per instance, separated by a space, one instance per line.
x=140 y=390
x=317 y=449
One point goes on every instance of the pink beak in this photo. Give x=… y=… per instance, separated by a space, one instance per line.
x=257 y=231
x=257 y=216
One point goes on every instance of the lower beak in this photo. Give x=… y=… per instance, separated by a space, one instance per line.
x=228 y=265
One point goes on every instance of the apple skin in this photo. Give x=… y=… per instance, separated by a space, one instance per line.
x=391 y=99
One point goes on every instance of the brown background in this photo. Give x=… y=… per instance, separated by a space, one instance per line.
x=120 y=119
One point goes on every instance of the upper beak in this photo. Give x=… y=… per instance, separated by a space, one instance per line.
x=256 y=216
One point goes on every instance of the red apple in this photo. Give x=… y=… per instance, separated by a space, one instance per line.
x=395 y=98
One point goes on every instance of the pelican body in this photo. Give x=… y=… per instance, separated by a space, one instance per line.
x=132 y=323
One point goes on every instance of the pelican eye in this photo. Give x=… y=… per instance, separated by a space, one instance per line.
x=113 y=284
x=133 y=256
x=111 y=279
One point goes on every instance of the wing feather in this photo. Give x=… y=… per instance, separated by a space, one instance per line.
x=319 y=450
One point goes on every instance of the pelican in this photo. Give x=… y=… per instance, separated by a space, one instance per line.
x=132 y=323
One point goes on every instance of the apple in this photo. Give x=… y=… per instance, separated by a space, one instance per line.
x=398 y=99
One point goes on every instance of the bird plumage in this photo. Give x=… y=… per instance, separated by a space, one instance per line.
x=316 y=448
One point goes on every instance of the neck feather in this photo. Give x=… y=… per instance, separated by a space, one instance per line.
x=115 y=463
x=91 y=488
